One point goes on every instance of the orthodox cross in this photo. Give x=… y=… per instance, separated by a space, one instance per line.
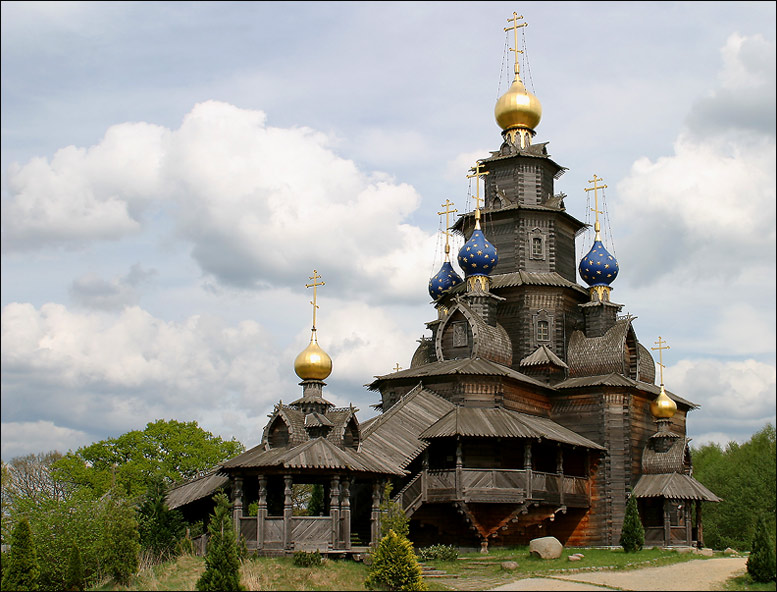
x=661 y=347
x=315 y=277
x=515 y=28
x=397 y=368
x=595 y=209
x=448 y=203
x=477 y=176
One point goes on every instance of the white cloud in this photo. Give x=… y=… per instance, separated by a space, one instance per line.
x=20 y=438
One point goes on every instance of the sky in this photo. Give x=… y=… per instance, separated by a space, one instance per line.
x=172 y=174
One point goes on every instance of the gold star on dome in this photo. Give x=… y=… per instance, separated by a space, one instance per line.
x=480 y=252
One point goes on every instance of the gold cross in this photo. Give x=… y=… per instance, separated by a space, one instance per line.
x=397 y=368
x=515 y=28
x=314 y=285
x=477 y=176
x=595 y=209
x=448 y=203
x=661 y=347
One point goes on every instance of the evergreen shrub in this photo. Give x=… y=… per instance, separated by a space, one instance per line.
x=222 y=560
x=393 y=517
x=74 y=579
x=20 y=564
x=632 y=532
x=306 y=559
x=394 y=566
x=761 y=563
x=438 y=553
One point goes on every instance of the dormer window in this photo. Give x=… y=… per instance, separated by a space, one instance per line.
x=543 y=331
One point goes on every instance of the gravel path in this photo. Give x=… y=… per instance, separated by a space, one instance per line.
x=700 y=574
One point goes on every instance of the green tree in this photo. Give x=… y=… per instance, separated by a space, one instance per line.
x=21 y=571
x=74 y=580
x=121 y=543
x=394 y=566
x=160 y=528
x=761 y=564
x=632 y=532
x=316 y=502
x=744 y=476
x=393 y=517
x=174 y=450
x=222 y=560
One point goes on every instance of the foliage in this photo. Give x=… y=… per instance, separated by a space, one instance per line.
x=74 y=579
x=393 y=517
x=253 y=508
x=20 y=567
x=305 y=559
x=632 y=532
x=121 y=551
x=160 y=528
x=394 y=566
x=761 y=563
x=316 y=502
x=744 y=476
x=173 y=450
x=438 y=553
x=222 y=563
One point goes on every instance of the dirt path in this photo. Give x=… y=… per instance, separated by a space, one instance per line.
x=700 y=574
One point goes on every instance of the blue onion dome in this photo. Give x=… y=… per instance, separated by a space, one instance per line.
x=477 y=256
x=445 y=279
x=598 y=267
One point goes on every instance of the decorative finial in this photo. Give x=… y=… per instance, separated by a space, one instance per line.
x=477 y=174
x=397 y=368
x=315 y=277
x=448 y=203
x=515 y=28
x=661 y=347
x=595 y=209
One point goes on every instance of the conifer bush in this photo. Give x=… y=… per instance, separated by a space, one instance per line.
x=761 y=563
x=393 y=516
x=122 y=549
x=20 y=564
x=222 y=560
x=632 y=532
x=394 y=566
x=74 y=579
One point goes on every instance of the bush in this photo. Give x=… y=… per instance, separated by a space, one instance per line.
x=761 y=563
x=160 y=528
x=20 y=565
x=305 y=559
x=74 y=579
x=222 y=561
x=393 y=516
x=394 y=566
x=632 y=532
x=122 y=549
x=438 y=553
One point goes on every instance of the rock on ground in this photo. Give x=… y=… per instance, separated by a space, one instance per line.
x=546 y=547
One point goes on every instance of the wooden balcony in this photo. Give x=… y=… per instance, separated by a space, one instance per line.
x=508 y=486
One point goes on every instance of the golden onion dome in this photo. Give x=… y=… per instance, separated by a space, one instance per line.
x=663 y=407
x=518 y=108
x=313 y=363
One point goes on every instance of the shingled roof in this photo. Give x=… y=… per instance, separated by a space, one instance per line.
x=671 y=460
x=543 y=356
x=615 y=379
x=489 y=342
x=589 y=356
x=673 y=486
x=526 y=278
x=502 y=423
x=394 y=434
x=197 y=488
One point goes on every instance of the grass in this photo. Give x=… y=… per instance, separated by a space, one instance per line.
x=745 y=582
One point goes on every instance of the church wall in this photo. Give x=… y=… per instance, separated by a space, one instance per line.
x=457 y=340
x=517 y=398
x=564 y=256
x=617 y=463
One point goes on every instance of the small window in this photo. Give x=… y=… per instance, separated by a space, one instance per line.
x=536 y=246
x=543 y=331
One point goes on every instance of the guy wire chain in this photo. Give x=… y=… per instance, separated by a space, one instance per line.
x=501 y=70
x=582 y=244
x=526 y=58
x=437 y=247
x=607 y=222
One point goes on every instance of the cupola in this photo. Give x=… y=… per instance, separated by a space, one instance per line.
x=598 y=268
x=446 y=278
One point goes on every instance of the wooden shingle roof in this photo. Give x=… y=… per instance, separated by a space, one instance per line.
x=671 y=460
x=590 y=356
x=503 y=423
x=318 y=453
x=615 y=379
x=489 y=342
x=197 y=488
x=673 y=486
x=464 y=366
x=394 y=434
x=543 y=356
x=526 y=278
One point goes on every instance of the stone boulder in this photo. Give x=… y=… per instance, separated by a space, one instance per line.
x=546 y=547
x=509 y=565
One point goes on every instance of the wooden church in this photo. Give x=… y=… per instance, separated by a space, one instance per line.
x=530 y=410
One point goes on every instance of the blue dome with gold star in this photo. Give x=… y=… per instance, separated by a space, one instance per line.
x=443 y=281
x=598 y=267
x=477 y=256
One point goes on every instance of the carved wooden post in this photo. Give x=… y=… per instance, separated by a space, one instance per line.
x=667 y=524
x=287 y=510
x=527 y=468
x=699 y=533
x=375 y=514
x=459 y=470
x=346 y=512
x=261 y=512
x=560 y=472
x=237 y=501
x=687 y=518
x=334 y=509
x=424 y=474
